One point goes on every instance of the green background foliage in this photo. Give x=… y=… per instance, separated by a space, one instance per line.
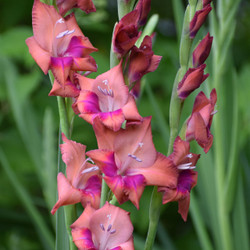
x=29 y=128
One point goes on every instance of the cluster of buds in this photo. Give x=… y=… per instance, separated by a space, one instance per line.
x=126 y=158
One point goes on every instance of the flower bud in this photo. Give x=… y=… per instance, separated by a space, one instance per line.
x=202 y=51
x=198 y=19
x=191 y=81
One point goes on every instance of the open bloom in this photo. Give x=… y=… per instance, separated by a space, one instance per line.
x=192 y=80
x=202 y=51
x=198 y=125
x=58 y=44
x=185 y=162
x=198 y=19
x=126 y=33
x=142 y=60
x=129 y=160
x=66 y=5
x=83 y=182
x=107 y=97
x=109 y=227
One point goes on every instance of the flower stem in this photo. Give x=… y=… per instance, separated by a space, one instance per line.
x=70 y=210
x=124 y=7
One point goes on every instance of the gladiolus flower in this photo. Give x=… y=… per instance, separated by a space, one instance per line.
x=198 y=19
x=126 y=33
x=142 y=60
x=83 y=182
x=191 y=81
x=198 y=125
x=58 y=44
x=202 y=51
x=107 y=97
x=109 y=227
x=66 y=5
x=185 y=163
x=130 y=162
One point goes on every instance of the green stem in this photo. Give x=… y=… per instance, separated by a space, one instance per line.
x=154 y=215
x=70 y=210
x=104 y=193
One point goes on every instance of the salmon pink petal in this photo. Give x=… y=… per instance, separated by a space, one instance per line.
x=128 y=245
x=87 y=102
x=111 y=226
x=130 y=110
x=41 y=56
x=84 y=82
x=105 y=161
x=112 y=120
x=105 y=137
x=44 y=18
x=66 y=193
x=84 y=64
x=79 y=46
x=116 y=185
x=73 y=155
x=84 y=218
x=60 y=66
x=72 y=24
x=111 y=89
x=134 y=187
x=67 y=90
x=139 y=150
x=161 y=173
x=83 y=239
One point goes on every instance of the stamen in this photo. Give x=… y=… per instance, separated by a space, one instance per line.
x=112 y=231
x=105 y=82
x=105 y=91
x=186 y=166
x=109 y=227
x=102 y=227
x=190 y=155
x=214 y=112
x=60 y=20
x=135 y=158
x=140 y=144
x=88 y=170
x=64 y=33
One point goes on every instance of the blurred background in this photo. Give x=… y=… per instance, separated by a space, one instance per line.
x=29 y=127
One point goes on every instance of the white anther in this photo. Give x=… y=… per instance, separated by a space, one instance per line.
x=105 y=82
x=64 y=33
x=88 y=170
x=190 y=155
x=214 y=112
x=60 y=20
x=140 y=144
x=109 y=216
x=186 y=166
